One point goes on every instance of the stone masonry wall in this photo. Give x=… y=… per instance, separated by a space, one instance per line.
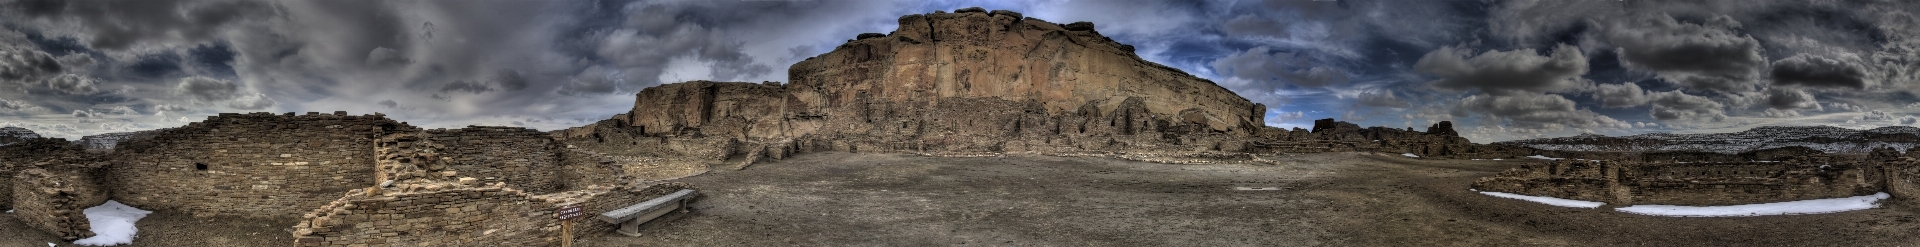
x=29 y=153
x=521 y=157
x=53 y=200
x=253 y=165
x=490 y=215
x=582 y=168
x=1726 y=183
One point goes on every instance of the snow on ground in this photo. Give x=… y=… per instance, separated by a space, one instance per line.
x=112 y=223
x=1546 y=200
x=1815 y=206
x=1410 y=155
x=1536 y=156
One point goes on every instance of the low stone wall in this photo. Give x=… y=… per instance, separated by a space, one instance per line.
x=1727 y=183
x=489 y=215
x=29 y=153
x=521 y=157
x=54 y=200
x=250 y=165
x=582 y=168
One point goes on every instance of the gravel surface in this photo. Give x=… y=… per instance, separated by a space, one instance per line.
x=1334 y=199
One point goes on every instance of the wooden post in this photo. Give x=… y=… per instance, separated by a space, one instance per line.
x=566 y=233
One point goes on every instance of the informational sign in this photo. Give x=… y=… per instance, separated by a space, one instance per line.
x=570 y=212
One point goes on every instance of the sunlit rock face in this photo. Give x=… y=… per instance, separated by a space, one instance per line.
x=965 y=81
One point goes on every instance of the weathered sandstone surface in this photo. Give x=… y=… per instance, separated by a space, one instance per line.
x=979 y=82
x=972 y=81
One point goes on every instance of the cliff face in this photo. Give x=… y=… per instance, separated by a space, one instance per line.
x=965 y=81
x=10 y=135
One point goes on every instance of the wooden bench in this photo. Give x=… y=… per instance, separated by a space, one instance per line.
x=629 y=218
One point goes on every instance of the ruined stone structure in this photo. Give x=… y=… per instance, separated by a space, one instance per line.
x=977 y=81
x=287 y=165
x=10 y=135
x=258 y=164
x=38 y=153
x=53 y=199
x=457 y=215
x=1697 y=183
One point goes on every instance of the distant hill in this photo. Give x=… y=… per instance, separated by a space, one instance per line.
x=109 y=140
x=10 y=135
x=1824 y=138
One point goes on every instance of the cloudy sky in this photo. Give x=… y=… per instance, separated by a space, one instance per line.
x=1500 y=70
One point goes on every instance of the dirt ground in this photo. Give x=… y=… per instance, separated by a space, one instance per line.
x=1334 y=199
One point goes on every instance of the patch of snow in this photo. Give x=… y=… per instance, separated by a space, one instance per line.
x=1476 y=159
x=1546 y=200
x=1410 y=155
x=112 y=224
x=1815 y=206
x=1496 y=159
x=1255 y=188
x=1536 y=156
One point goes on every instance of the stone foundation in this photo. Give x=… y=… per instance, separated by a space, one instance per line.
x=489 y=215
x=54 y=200
x=1694 y=184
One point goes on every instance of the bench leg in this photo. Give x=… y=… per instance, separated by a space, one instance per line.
x=631 y=228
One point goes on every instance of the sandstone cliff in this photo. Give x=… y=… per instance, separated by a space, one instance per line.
x=10 y=135
x=970 y=81
x=974 y=82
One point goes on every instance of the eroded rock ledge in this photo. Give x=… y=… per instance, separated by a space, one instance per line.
x=979 y=82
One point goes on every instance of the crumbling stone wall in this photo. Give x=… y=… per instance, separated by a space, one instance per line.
x=487 y=215
x=582 y=168
x=521 y=157
x=30 y=153
x=54 y=200
x=254 y=165
x=1720 y=183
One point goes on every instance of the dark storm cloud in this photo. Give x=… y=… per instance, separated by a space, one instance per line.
x=1679 y=106
x=1269 y=69
x=24 y=65
x=466 y=86
x=206 y=89
x=1815 y=71
x=1538 y=111
x=253 y=101
x=1789 y=99
x=7 y=105
x=1710 y=55
x=510 y=80
x=121 y=24
x=72 y=84
x=1381 y=99
x=1617 y=95
x=595 y=80
x=1506 y=72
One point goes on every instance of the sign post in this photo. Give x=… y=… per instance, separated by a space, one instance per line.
x=566 y=215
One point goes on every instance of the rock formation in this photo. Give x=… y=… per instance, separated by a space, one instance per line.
x=103 y=142
x=964 y=81
x=977 y=81
x=10 y=135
